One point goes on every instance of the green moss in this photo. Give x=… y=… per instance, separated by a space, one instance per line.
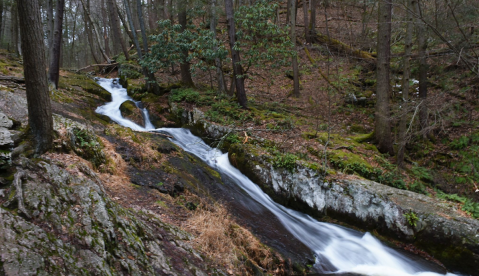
x=85 y=83
x=364 y=137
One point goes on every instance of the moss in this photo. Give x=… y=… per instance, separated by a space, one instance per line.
x=128 y=107
x=364 y=137
x=85 y=83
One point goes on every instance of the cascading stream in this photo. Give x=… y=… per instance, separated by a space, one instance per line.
x=338 y=249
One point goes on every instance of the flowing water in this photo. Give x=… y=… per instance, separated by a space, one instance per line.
x=337 y=249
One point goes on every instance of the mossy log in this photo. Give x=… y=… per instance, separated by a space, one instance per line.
x=342 y=47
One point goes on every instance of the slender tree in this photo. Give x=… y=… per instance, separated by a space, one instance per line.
x=55 y=51
x=218 y=63
x=50 y=26
x=151 y=84
x=405 y=83
x=106 y=39
x=238 y=77
x=382 y=128
x=295 y=57
x=306 y=22
x=97 y=35
x=38 y=98
x=422 y=72
x=116 y=29
x=1 y=22
x=186 y=78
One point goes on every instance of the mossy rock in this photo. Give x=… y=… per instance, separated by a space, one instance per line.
x=86 y=84
x=128 y=107
x=364 y=137
x=87 y=145
x=348 y=159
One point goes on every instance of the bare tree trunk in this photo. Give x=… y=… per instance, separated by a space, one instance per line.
x=151 y=84
x=38 y=98
x=306 y=23
x=405 y=84
x=184 y=65
x=72 y=49
x=295 y=58
x=105 y=28
x=237 y=68
x=54 y=68
x=153 y=14
x=218 y=63
x=116 y=29
x=1 y=22
x=422 y=72
x=124 y=23
x=312 y=22
x=288 y=10
x=90 y=38
x=50 y=26
x=92 y=25
x=382 y=126
x=14 y=14
x=170 y=11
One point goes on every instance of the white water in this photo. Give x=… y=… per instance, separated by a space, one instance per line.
x=338 y=249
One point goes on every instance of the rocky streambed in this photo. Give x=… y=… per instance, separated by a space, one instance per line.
x=433 y=225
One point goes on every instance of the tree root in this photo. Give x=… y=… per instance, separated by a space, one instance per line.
x=17 y=183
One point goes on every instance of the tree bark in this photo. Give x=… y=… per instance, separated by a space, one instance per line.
x=219 y=67
x=54 y=68
x=184 y=65
x=312 y=21
x=14 y=27
x=124 y=23
x=405 y=84
x=90 y=37
x=306 y=23
x=50 y=26
x=1 y=22
x=295 y=58
x=38 y=98
x=151 y=84
x=116 y=29
x=382 y=131
x=422 y=72
x=237 y=68
x=97 y=35
x=152 y=14
x=106 y=39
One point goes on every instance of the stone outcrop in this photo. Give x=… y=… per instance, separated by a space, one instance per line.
x=433 y=225
x=70 y=227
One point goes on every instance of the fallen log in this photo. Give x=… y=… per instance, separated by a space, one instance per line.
x=342 y=47
x=13 y=78
x=97 y=65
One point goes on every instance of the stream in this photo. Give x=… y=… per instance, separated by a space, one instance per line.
x=338 y=250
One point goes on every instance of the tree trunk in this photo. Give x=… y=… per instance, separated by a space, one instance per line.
x=312 y=21
x=306 y=23
x=124 y=23
x=54 y=68
x=184 y=65
x=1 y=22
x=422 y=72
x=151 y=84
x=288 y=10
x=90 y=37
x=153 y=14
x=97 y=35
x=38 y=98
x=50 y=26
x=405 y=84
x=72 y=49
x=382 y=131
x=15 y=39
x=237 y=68
x=116 y=29
x=106 y=39
x=295 y=58
x=218 y=63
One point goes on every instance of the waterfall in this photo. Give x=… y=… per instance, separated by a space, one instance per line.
x=338 y=249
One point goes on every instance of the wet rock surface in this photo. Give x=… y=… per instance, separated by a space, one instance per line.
x=434 y=225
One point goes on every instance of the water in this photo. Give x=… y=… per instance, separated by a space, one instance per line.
x=338 y=249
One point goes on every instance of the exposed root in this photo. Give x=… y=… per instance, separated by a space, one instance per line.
x=17 y=183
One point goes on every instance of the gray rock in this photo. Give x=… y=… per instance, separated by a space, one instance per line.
x=5 y=121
